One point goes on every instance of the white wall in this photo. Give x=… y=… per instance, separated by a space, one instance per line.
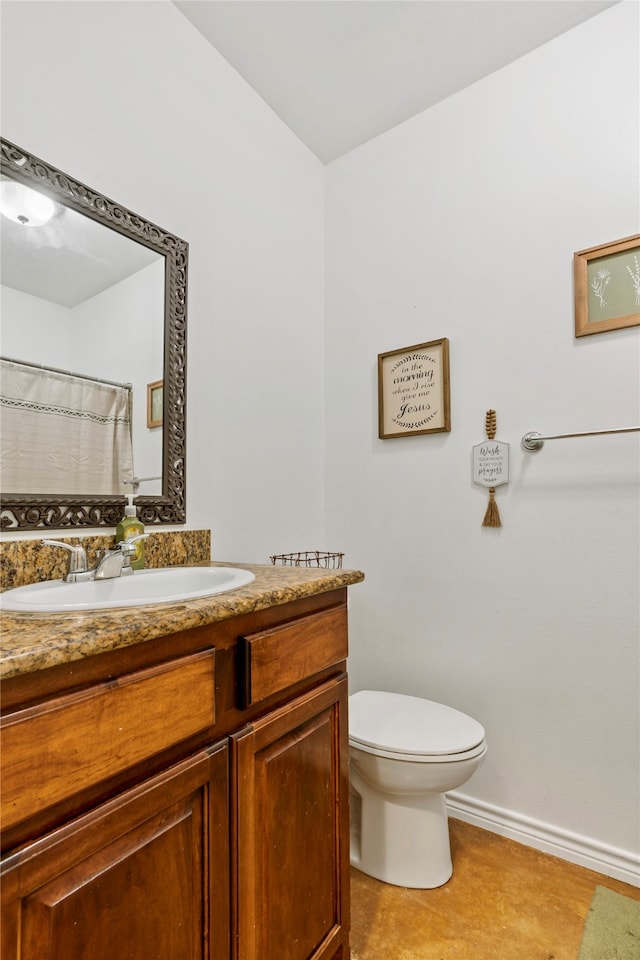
x=123 y=328
x=33 y=327
x=130 y=99
x=461 y=223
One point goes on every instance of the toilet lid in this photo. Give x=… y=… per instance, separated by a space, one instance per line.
x=397 y=723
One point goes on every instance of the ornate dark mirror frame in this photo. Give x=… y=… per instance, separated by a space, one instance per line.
x=30 y=512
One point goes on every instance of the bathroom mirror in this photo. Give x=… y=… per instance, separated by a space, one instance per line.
x=100 y=245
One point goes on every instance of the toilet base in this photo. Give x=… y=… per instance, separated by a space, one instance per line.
x=402 y=840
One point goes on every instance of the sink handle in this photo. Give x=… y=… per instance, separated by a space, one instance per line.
x=124 y=546
x=139 y=536
x=128 y=548
x=77 y=558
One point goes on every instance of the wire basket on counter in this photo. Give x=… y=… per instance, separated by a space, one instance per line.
x=309 y=558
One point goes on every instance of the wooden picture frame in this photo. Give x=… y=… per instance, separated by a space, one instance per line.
x=607 y=286
x=155 y=402
x=413 y=390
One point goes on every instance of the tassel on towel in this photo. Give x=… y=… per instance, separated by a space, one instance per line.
x=492 y=516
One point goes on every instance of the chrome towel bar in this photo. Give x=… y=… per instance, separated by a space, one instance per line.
x=535 y=441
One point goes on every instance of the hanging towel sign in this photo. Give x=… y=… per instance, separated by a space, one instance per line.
x=491 y=463
x=491 y=467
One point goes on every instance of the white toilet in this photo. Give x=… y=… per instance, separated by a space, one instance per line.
x=405 y=754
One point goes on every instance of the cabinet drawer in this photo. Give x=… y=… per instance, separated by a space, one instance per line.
x=275 y=659
x=64 y=746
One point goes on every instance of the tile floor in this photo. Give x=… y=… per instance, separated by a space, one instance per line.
x=505 y=901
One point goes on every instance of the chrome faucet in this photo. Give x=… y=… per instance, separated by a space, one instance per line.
x=115 y=562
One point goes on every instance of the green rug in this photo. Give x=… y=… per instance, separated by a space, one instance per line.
x=612 y=928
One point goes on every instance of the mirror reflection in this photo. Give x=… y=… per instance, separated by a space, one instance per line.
x=81 y=300
x=90 y=296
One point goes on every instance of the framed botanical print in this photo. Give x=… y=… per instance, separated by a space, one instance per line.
x=607 y=286
x=155 y=401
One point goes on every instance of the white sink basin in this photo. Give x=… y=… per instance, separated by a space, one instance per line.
x=163 y=585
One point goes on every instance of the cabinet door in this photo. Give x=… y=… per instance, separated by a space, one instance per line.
x=290 y=790
x=143 y=877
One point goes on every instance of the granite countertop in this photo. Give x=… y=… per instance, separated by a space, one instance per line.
x=35 y=641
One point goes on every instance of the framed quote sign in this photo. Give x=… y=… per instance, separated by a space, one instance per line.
x=413 y=390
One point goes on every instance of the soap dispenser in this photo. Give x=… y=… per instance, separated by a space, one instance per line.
x=130 y=527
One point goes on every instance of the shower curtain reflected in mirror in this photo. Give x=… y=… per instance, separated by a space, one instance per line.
x=63 y=433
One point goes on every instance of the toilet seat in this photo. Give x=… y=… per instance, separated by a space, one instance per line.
x=409 y=728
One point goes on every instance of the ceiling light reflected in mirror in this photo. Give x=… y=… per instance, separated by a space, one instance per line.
x=25 y=206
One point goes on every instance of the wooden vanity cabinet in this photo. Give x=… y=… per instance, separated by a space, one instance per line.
x=142 y=876
x=192 y=800
x=290 y=790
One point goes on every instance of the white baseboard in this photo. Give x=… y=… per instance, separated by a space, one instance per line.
x=609 y=861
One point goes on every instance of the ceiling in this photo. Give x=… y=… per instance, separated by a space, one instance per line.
x=68 y=260
x=339 y=72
